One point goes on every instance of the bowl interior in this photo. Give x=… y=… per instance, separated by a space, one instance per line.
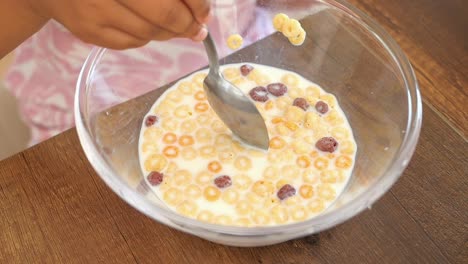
x=342 y=53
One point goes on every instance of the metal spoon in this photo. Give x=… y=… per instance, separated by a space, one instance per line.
x=234 y=108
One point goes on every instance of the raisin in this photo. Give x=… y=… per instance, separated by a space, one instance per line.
x=286 y=191
x=301 y=103
x=327 y=144
x=259 y=94
x=223 y=181
x=155 y=178
x=151 y=120
x=246 y=69
x=321 y=107
x=277 y=89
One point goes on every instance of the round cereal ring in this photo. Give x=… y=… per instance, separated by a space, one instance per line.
x=243 y=207
x=155 y=162
x=290 y=79
x=235 y=41
x=316 y=206
x=231 y=74
x=301 y=103
x=200 y=96
x=186 y=88
x=277 y=89
x=299 y=39
x=306 y=191
x=205 y=216
x=223 y=181
x=246 y=69
x=271 y=172
x=299 y=213
x=201 y=107
x=279 y=214
x=203 y=177
x=171 y=151
x=327 y=144
x=343 y=162
x=182 y=177
x=259 y=94
x=155 y=178
x=279 y=20
x=321 y=163
x=207 y=151
x=173 y=196
x=242 y=181
x=188 y=153
x=243 y=163
x=286 y=191
x=230 y=196
x=263 y=188
x=277 y=143
x=183 y=111
x=169 y=138
x=187 y=208
x=291 y=28
x=186 y=140
x=321 y=107
x=192 y=191
x=261 y=217
x=151 y=120
x=211 y=193
x=303 y=162
x=326 y=192
x=214 y=167
x=188 y=126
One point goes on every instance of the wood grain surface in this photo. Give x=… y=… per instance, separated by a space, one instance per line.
x=55 y=209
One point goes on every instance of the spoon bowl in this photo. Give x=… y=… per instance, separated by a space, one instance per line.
x=232 y=106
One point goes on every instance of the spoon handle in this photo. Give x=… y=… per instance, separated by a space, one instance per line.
x=212 y=54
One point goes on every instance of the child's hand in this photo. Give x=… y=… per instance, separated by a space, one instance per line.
x=121 y=24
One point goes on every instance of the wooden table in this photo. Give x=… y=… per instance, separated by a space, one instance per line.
x=55 y=209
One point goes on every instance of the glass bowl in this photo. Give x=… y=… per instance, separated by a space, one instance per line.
x=345 y=52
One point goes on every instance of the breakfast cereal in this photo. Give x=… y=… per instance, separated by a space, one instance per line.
x=195 y=165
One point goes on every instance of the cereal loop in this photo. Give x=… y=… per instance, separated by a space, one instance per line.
x=243 y=163
x=188 y=153
x=343 y=162
x=291 y=28
x=321 y=163
x=259 y=94
x=186 y=140
x=203 y=178
x=306 y=191
x=298 y=39
x=223 y=181
x=286 y=191
x=279 y=20
x=200 y=96
x=277 y=143
x=182 y=177
x=171 y=151
x=169 y=138
x=234 y=41
x=155 y=162
x=211 y=193
x=214 y=167
x=263 y=188
x=201 y=107
x=303 y=162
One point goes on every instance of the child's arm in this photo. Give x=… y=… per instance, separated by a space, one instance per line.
x=115 y=24
x=17 y=23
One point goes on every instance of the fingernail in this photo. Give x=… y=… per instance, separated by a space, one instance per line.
x=201 y=35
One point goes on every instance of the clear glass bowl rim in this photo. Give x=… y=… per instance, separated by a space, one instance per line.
x=319 y=223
